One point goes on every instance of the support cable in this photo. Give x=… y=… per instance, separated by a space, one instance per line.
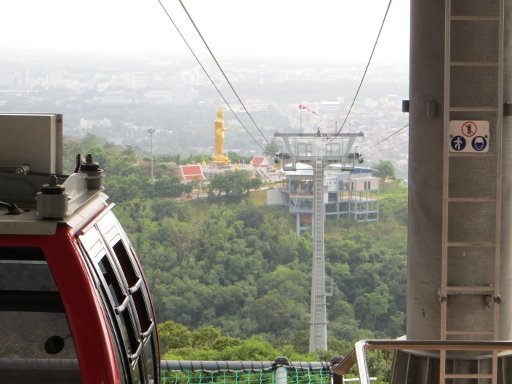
x=365 y=71
x=222 y=71
x=386 y=138
x=207 y=74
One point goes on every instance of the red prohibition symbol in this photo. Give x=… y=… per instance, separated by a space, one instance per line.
x=468 y=129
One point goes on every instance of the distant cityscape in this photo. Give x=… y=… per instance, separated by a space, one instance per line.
x=122 y=99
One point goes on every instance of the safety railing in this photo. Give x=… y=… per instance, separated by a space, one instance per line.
x=358 y=354
x=279 y=371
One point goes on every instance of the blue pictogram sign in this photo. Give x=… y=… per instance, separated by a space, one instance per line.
x=479 y=143
x=469 y=136
x=458 y=143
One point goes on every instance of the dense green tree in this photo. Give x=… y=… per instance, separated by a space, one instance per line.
x=385 y=170
x=272 y=148
x=205 y=336
x=254 y=348
x=168 y=187
x=173 y=335
x=232 y=268
x=234 y=183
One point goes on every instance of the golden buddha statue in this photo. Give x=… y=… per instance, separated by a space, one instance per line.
x=219 y=139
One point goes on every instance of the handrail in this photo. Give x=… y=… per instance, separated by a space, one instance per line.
x=249 y=366
x=260 y=366
x=362 y=366
x=357 y=355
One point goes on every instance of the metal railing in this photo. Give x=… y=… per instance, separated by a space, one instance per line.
x=358 y=355
x=279 y=371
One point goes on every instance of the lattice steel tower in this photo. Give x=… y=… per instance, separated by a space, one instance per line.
x=320 y=151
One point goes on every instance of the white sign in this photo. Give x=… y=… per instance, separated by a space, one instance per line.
x=469 y=136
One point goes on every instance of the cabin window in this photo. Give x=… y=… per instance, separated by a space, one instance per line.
x=33 y=323
x=332 y=149
x=140 y=300
x=111 y=281
x=126 y=264
x=149 y=362
x=120 y=303
x=304 y=149
x=126 y=299
x=135 y=285
x=142 y=312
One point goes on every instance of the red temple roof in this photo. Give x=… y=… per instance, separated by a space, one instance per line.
x=259 y=161
x=192 y=172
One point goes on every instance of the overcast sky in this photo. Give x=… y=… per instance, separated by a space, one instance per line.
x=323 y=29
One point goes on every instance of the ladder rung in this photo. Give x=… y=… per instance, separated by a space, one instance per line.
x=473 y=64
x=474 y=18
x=470 y=290
x=472 y=199
x=470 y=333
x=471 y=245
x=472 y=154
x=473 y=109
x=468 y=376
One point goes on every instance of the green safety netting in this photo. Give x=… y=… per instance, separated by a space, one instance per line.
x=266 y=374
x=260 y=376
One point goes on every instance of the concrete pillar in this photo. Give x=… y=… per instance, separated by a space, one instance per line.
x=470 y=86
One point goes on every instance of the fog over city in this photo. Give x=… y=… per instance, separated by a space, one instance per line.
x=322 y=29
x=117 y=68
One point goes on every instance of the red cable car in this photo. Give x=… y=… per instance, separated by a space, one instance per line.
x=74 y=304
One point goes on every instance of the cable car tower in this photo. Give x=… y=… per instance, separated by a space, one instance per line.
x=319 y=151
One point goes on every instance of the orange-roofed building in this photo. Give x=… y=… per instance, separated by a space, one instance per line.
x=192 y=173
x=260 y=161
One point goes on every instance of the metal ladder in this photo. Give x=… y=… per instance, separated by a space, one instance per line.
x=475 y=20
x=318 y=329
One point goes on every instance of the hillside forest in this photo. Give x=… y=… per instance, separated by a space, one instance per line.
x=230 y=279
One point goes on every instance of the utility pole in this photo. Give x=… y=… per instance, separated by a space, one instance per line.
x=151 y=132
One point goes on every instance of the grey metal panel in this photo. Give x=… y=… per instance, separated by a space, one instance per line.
x=470 y=264
x=470 y=222
x=472 y=177
x=480 y=41
x=473 y=87
x=475 y=7
x=30 y=139
x=472 y=311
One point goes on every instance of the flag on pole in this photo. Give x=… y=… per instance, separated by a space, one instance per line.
x=303 y=106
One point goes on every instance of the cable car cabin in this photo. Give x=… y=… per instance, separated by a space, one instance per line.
x=74 y=305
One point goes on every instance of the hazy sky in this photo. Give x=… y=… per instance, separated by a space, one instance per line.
x=323 y=29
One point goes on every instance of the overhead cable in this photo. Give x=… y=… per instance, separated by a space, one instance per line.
x=365 y=71
x=222 y=71
x=386 y=138
x=208 y=75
